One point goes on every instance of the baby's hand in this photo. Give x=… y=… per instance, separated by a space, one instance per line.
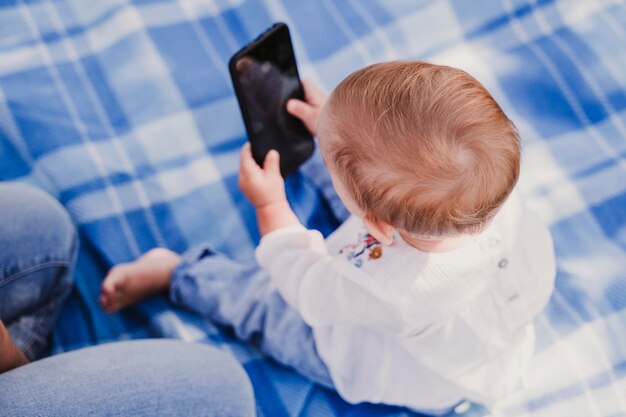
x=262 y=186
x=309 y=111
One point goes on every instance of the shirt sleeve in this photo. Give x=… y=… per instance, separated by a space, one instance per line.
x=324 y=289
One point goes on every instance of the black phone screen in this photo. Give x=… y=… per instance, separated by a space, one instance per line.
x=265 y=76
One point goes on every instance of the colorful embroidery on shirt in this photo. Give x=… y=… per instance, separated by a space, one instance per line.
x=367 y=244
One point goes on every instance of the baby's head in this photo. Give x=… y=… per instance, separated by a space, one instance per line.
x=419 y=148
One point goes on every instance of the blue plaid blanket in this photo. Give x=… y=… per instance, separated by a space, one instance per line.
x=124 y=111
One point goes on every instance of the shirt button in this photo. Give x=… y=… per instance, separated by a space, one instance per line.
x=503 y=263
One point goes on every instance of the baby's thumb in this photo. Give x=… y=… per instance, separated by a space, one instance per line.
x=272 y=162
x=305 y=112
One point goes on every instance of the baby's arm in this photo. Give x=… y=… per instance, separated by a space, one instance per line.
x=265 y=188
x=326 y=290
x=316 y=284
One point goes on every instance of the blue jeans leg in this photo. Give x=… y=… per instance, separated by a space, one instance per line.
x=38 y=244
x=243 y=297
x=136 y=378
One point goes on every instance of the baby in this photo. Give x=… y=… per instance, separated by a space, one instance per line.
x=425 y=297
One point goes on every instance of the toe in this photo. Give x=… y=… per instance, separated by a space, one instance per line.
x=116 y=304
x=112 y=288
x=114 y=279
x=110 y=304
x=105 y=302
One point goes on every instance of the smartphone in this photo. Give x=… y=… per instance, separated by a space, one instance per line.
x=265 y=76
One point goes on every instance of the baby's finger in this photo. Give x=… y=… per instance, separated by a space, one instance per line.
x=300 y=109
x=271 y=165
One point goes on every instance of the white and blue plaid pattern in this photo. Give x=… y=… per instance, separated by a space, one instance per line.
x=124 y=111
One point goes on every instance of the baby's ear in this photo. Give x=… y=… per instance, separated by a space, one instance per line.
x=379 y=229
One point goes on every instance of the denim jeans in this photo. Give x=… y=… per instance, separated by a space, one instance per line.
x=139 y=378
x=135 y=378
x=38 y=245
x=243 y=297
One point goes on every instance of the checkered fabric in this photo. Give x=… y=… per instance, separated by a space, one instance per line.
x=125 y=112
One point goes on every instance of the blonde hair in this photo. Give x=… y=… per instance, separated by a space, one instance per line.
x=422 y=147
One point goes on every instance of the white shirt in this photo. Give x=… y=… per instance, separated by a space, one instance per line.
x=399 y=326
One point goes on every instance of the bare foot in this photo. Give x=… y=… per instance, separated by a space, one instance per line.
x=131 y=282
